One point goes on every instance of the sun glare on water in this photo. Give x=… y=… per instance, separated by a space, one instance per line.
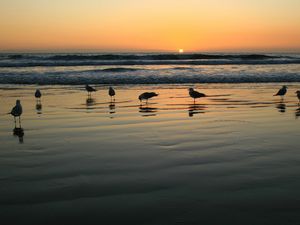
x=180 y=50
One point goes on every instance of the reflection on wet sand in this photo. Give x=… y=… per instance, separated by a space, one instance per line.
x=297 y=113
x=90 y=101
x=38 y=107
x=281 y=107
x=147 y=111
x=112 y=109
x=195 y=109
x=19 y=132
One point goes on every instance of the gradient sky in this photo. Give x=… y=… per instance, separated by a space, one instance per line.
x=149 y=25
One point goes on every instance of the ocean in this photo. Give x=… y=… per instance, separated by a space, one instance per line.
x=147 y=68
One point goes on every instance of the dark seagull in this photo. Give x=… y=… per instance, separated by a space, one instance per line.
x=89 y=89
x=17 y=111
x=195 y=94
x=282 y=91
x=111 y=93
x=298 y=95
x=38 y=94
x=147 y=95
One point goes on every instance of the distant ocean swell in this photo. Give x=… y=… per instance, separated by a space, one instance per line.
x=80 y=69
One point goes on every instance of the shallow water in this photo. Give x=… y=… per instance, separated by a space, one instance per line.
x=231 y=158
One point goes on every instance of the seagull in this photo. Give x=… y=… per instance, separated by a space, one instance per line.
x=38 y=93
x=38 y=96
x=195 y=94
x=111 y=93
x=17 y=111
x=89 y=89
x=147 y=95
x=298 y=95
x=282 y=91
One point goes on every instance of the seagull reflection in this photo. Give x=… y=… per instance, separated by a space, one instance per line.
x=38 y=107
x=90 y=101
x=195 y=109
x=19 y=132
x=297 y=113
x=147 y=111
x=112 y=108
x=281 y=107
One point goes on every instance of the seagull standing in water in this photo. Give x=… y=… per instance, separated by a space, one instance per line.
x=111 y=93
x=38 y=94
x=298 y=95
x=282 y=91
x=146 y=96
x=89 y=89
x=17 y=111
x=195 y=94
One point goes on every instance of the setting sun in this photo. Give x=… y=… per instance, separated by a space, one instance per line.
x=180 y=50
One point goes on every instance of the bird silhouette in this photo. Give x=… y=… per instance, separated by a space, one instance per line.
x=17 y=112
x=89 y=89
x=281 y=92
x=111 y=93
x=195 y=94
x=298 y=95
x=38 y=94
x=146 y=96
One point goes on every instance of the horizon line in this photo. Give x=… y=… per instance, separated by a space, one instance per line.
x=99 y=51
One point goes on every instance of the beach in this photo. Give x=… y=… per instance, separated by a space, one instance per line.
x=149 y=112
x=230 y=158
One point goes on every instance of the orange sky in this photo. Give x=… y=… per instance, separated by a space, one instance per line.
x=149 y=25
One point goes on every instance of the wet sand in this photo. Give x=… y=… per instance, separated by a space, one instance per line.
x=231 y=158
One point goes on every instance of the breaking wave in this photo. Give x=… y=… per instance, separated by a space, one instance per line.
x=33 y=60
